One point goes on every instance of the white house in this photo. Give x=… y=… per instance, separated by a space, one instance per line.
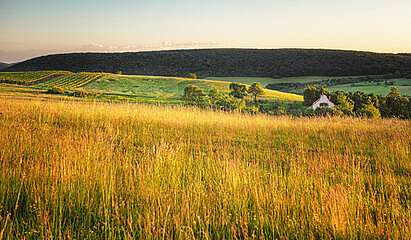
x=323 y=101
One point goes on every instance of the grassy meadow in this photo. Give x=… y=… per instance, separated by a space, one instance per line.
x=88 y=170
x=108 y=86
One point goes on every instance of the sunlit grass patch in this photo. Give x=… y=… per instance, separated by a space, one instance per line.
x=99 y=170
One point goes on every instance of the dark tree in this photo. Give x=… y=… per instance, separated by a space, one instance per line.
x=256 y=90
x=395 y=105
x=193 y=93
x=311 y=94
x=238 y=90
x=343 y=102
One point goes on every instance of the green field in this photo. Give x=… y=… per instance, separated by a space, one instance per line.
x=130 y=87
x=166 y=87
x=71 y=80
x=368 y=87
x=404 y=85
x=29 y=77
x=266 y=80
x=92 y=170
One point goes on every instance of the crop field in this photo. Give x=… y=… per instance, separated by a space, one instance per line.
x=47 y=79
x=28 y=77
x=131 y=87
x=72 y=80
x=88 y=170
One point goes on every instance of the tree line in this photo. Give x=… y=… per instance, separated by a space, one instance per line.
x=361 y=104
x=235 y=100
x=245 y=98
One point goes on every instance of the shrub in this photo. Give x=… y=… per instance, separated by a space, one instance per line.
x=252 y=109
x=192 y=75
x=226 y=102
x=309 y=112
x=193 y=93
x=56 y=90
x=369 y=111
x=326 y=111
x=83 y=93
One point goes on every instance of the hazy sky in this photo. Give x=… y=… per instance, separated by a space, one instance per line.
x=35 y=27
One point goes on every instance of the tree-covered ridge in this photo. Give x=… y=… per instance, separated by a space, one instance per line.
x=226 y=62
x=4 y=65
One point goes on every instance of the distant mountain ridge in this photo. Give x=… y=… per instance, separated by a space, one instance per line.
x=4 y=65
x=226 y=62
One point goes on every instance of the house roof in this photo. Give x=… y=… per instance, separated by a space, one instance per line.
x=323 y=98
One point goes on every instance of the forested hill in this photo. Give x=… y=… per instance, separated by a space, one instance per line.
x=4 y=65
x=226 y=62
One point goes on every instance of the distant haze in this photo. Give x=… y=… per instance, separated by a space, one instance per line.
x=32 y=28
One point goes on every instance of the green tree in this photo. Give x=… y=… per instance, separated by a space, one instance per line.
x=360 y=99
x=343 y=102
x=311 y=94
x=324 y=91
x=395 y=105
x=369 y=111
x=238 y=90
x=226 y=102
x=256 y=90
x=196 y=96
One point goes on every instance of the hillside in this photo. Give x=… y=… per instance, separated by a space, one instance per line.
x=226 y=63
x=131 y=87
x=4 y=65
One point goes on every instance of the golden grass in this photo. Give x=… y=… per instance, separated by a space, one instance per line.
x=104 y=171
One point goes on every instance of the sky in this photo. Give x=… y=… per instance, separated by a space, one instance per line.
x=30 y=28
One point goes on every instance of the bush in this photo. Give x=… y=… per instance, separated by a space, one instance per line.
x=369 y=111
x=56 y=90
x=193 y=93
x=309 y=112
x=326 y=111
x=226 y=102
x=192 y=76
x=252 y=109
x=83 y=93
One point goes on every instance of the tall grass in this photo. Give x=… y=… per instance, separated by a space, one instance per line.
x=95 y=170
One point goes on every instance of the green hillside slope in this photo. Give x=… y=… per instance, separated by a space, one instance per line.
x=145 y=88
